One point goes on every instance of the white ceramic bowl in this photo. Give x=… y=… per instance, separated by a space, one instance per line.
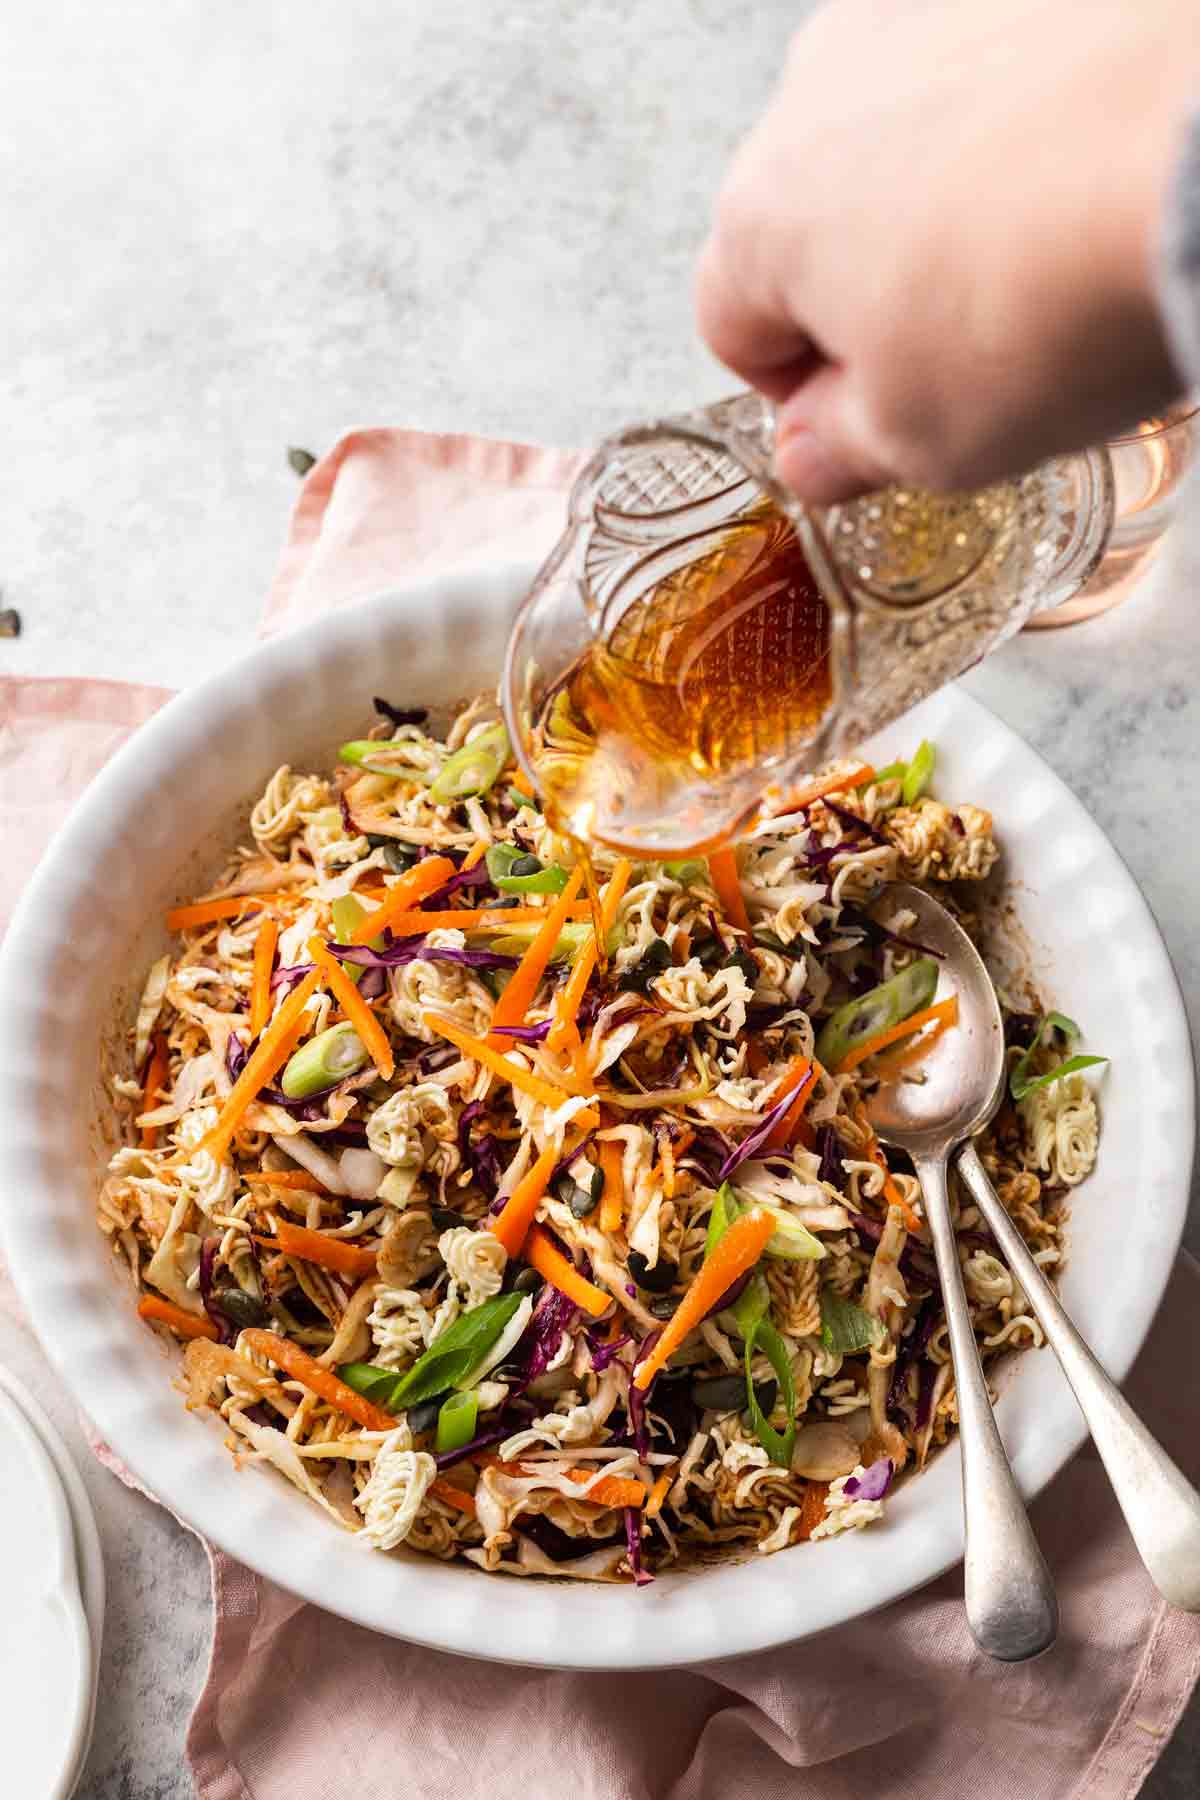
x=145 y=834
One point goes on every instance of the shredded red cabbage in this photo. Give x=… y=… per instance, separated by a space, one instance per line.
x=236 y=1056
x=926 y=1377
x=555 y=1543
x=564 y=1162
x=495 y=1434
x=911 y=1350
x=524 y=1034
x=633 y=1539
x=400 y=715
x=418 y=949
x=373 y=983
x=437 y=1056
x=475 y=877
x=603 y=1353
x=208 y=1260
x=850 y=919
x=872 y=1484
x=639 y=1399
x=957 y=825
x=831 y=1157
x=750 y=1147
x=480 y=1154
x=852 y=820
x=351 y=828
x=542 y=1338
x=289 y=977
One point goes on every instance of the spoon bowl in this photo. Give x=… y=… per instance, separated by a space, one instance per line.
x=962 y=1072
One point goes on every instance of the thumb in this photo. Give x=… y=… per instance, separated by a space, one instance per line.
x=819 y=454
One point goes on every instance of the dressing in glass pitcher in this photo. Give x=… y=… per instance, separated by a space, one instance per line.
x=699 y=640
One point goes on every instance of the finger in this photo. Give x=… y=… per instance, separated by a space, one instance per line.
x=755 y=338
x=823 y=451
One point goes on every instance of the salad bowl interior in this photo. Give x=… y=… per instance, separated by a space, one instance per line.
x=151 y=831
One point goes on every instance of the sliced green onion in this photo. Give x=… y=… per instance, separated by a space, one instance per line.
x=473 y=769
x=456 y=1420
x=1020 y=1082
x=372 y=1382
x=908 y=991
x=348 y=914
x=792 y=1241
x=778 y=1445
x=452 y=1357
x=329 y=1057
x=514 y=871
x=752 y=1305
x=373 y=754
x=846 y=1328
x=519 y=799
x=571 y=939
x=894 y=772
x=692 y=868
x=725 y=1209
x=919 y=773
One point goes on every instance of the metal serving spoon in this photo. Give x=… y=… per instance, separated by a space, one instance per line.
x=1160 y=1506
x=1010 y=1599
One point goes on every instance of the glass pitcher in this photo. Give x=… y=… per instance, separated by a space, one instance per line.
x=912 y=589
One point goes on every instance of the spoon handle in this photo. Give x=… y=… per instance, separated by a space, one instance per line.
x=1010 y=1600
x=1161 y=1507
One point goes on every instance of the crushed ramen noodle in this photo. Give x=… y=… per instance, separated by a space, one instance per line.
x=563 y=1258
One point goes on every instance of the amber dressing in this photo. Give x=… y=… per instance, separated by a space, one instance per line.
x=721 y=667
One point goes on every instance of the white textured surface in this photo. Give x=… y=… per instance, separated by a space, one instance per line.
x=235 y=228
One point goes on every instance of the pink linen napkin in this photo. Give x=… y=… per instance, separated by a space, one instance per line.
x=299 y=1705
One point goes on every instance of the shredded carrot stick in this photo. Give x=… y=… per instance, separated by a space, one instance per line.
x=452 y=1495
x=891 y=1192
x=302 y=1367
x=733 y=1254
x=666 y=1157
x=516 y=1073
x=260 y=980
x=542 y=1255
x=944 y=1013
x=802 y=1080
x=659 y=1492
x=610 y=1490
x=522 y=784
x=475 y=854
x=156 y=1069
x=722 y=866
x=208 y=912
x=517 y=997
x=828 y=784
x=273 y=1049
x=612 y=1205
x=315 y=1247
x=374 y=1038
x=183 y=1324
x=681 y=947
x=512 y=1223
x=289 y=1178
x=570 y=998
x=404 y=894
x=892 y=1061
x=476 y=918
x=812 y=1508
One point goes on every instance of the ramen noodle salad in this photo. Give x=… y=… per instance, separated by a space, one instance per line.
x=568 y=1254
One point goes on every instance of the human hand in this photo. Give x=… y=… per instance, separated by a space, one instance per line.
x=936 y=251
